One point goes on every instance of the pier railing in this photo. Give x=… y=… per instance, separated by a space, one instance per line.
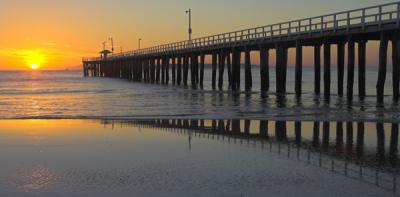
x=347 y=20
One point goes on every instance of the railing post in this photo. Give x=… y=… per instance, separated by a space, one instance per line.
x=363 y=19
x=398 y=15
x=299 y=27
x=348 y=22
x=272 y=31
x=334 y=23
x=380 y=16
x=322 y=24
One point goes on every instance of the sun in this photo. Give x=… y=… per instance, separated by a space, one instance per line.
x=34 y=59
x=34 y=66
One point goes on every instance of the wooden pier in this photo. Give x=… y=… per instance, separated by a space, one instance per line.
x=349 y=30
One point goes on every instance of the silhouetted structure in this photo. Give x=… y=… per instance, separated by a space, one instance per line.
x=359 y=26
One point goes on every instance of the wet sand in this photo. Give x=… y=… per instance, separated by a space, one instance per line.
x=163 y=158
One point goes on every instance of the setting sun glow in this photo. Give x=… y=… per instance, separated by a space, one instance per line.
x=34 y=58
x=34 y=66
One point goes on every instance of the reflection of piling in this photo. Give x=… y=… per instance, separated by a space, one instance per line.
x=236 y=126
x=349 y=137
x=315 y=140
x=360 y=139
x=214 y=125
x=264 y=128
x=394 y=141
x=228 y=126
x=247 y=126
x=221 y=125
x=280 y=130
x=381 y=142
x=339 y=137
x=325 y=135
x=297 y=131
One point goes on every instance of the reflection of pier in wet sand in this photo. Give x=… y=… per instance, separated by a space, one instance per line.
x=356 y=150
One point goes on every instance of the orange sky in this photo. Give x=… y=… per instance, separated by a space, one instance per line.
x=56 y=34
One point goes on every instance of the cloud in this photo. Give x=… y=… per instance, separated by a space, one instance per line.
x=48 y=43
x=68 y=46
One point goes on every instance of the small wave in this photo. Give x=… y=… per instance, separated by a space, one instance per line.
x=56 y=92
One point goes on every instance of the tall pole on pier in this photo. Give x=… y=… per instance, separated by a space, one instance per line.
x=139 y=43
x=189 y=12
x=112 y=44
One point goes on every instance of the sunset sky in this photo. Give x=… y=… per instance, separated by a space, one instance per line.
x=56 y=34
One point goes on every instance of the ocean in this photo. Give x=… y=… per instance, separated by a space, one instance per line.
x=68 y=95
x=62 y=134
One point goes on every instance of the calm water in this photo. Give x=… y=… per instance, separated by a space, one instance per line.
x=165 y=158
x=67 y=94
x=208 y=143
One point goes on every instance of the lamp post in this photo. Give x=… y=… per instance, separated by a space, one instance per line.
x=104 y=46
x=139 y=43
x=189 y=12
x=112 y=44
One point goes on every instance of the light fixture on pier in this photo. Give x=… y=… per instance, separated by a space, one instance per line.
x=189 y=12
x=112 y=43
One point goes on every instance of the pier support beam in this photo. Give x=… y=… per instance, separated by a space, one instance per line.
x=264 y=69
x=317 y=69
x=229 y=68
x=202 y=62
x=248 y=74
x=380 y=86
x=340 y=67
x=152 y=70
x=163 y=70
x=350 y=68
x=281 y=69
x=166 y=70
x=298 y=67
x=327 y=71
x=236 y=70
x=173 y=70
x=179 y=71
x=196 y=69
x=158 y=70
x=221 y=69
x=396 y=65
x=214 y=70
x=185 y=69
x=193 y=58
x=361 y=69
